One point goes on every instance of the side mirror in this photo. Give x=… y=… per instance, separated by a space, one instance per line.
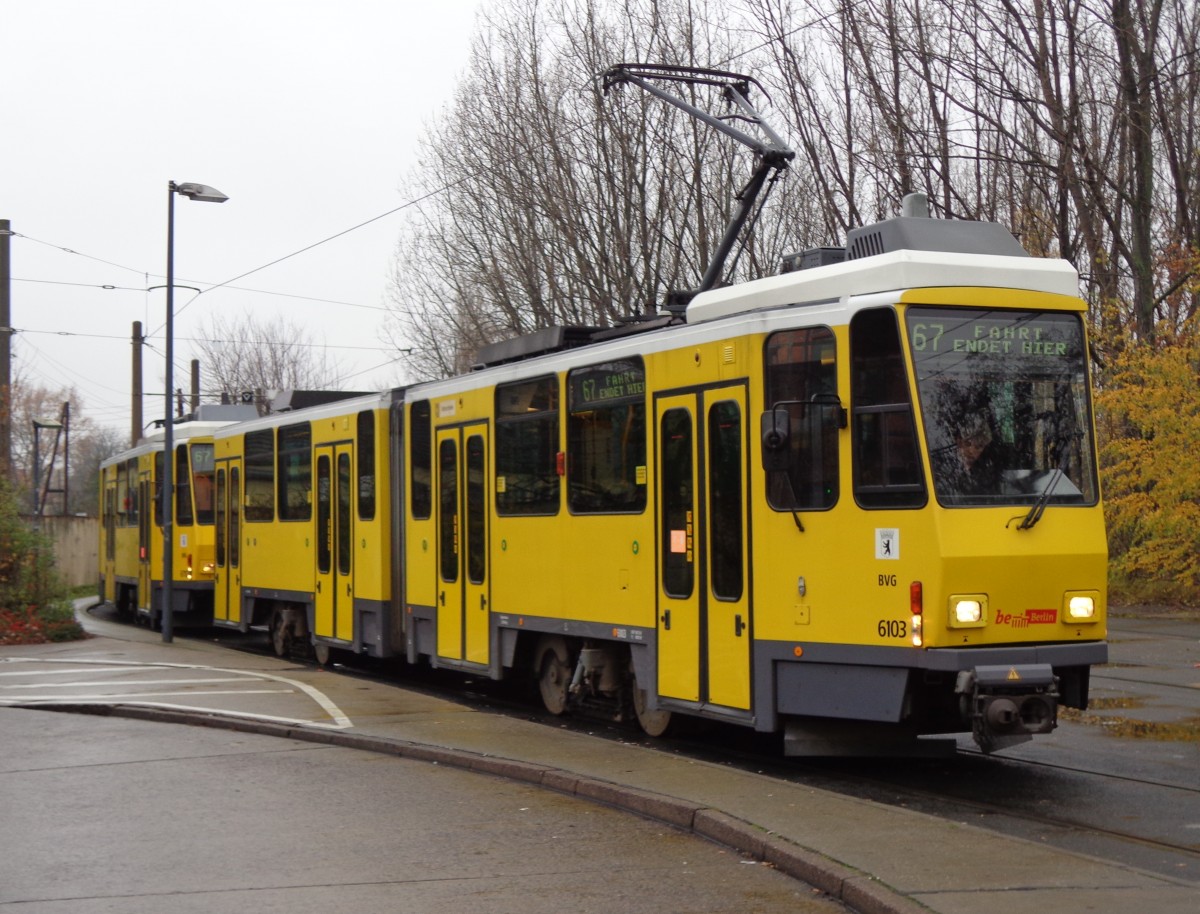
x=775 y=427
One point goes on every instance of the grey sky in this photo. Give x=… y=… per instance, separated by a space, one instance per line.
x=307 y=114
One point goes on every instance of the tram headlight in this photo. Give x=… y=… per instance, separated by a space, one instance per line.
x=1080 y=607
x=968 y=610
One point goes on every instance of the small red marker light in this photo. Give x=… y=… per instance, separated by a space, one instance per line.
x=916 y=598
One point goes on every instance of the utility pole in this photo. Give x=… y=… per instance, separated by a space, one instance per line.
x=6 y=333
x=135 y=430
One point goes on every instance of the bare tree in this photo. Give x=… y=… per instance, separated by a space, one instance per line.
x=245 y=354
x=547 y=203
x=1076 y=124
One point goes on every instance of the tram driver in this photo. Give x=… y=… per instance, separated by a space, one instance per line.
x=974 y=465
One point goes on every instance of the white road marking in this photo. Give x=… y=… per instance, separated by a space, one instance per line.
x=339 y=721
x=127 y=696
x=75 y=685
x=66 y=672
x=243 y=715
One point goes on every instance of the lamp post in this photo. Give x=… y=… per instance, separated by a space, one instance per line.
x=204 y=194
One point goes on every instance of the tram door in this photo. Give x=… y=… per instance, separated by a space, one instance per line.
x=462 y=612
x=704 y=620
x=144 y=506
x=334 y=611
x=227 y=581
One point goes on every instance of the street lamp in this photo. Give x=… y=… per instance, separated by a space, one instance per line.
x=204 y=194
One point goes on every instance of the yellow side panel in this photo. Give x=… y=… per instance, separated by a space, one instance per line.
x=278 y=555
x=420 y=561
x=591 y=568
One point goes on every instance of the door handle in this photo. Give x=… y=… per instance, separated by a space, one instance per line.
x=442 y=598
x=348 y=588
x=482 y=602
x=738 y=625
x=665 y=618
x=318 y=586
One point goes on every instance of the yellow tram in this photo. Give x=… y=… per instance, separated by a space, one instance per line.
x=857 y=503
x=304 y=528
x=131 y=537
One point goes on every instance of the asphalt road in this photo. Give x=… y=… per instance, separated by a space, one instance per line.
x=106 y=814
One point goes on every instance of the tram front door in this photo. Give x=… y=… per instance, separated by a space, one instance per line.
x=227 y=578
x=334 y=610
x=462 y=580
x=704 y=612
x=147 y=504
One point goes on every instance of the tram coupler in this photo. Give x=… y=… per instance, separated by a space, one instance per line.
x=1008 y=704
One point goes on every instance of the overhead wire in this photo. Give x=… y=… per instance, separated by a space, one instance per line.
x=407 y=204
x=111 y=287
x=201 y=339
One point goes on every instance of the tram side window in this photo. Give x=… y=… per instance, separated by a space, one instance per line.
x=801 y=379
x=110 y=520
x=527 y=447
x=202 y=482
x=221 y=517
x=887 y=463
x=158 y=484
x=725 y=499
x=366 y=465
x=183 y=488
x=606 y=438
x=420 y=460
x=123 y=504
x=260 y=475
x=295 y=472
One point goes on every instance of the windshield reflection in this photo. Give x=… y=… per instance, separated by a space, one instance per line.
x=1005 y=404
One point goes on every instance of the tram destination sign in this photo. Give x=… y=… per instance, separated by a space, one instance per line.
x=608 y=384
x=1021 y=335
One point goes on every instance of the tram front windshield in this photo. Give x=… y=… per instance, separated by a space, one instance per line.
x=1004 y=400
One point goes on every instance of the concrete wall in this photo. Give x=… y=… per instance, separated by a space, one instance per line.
x=76 y=547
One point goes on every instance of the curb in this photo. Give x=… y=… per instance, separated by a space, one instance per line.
x=857 y=890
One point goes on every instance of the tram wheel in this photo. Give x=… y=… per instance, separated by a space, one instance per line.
x=653 y=723
x=553 y=673
x=281 y=635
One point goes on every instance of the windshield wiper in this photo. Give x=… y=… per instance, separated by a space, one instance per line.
x=1039 y=506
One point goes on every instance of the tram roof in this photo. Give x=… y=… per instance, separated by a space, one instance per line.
x=893 y=271
x=348 y=406
x=183 y=431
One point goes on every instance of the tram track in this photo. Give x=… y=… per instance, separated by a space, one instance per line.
x=1009 y=801
x=1068 y=805
x=1040 y=800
